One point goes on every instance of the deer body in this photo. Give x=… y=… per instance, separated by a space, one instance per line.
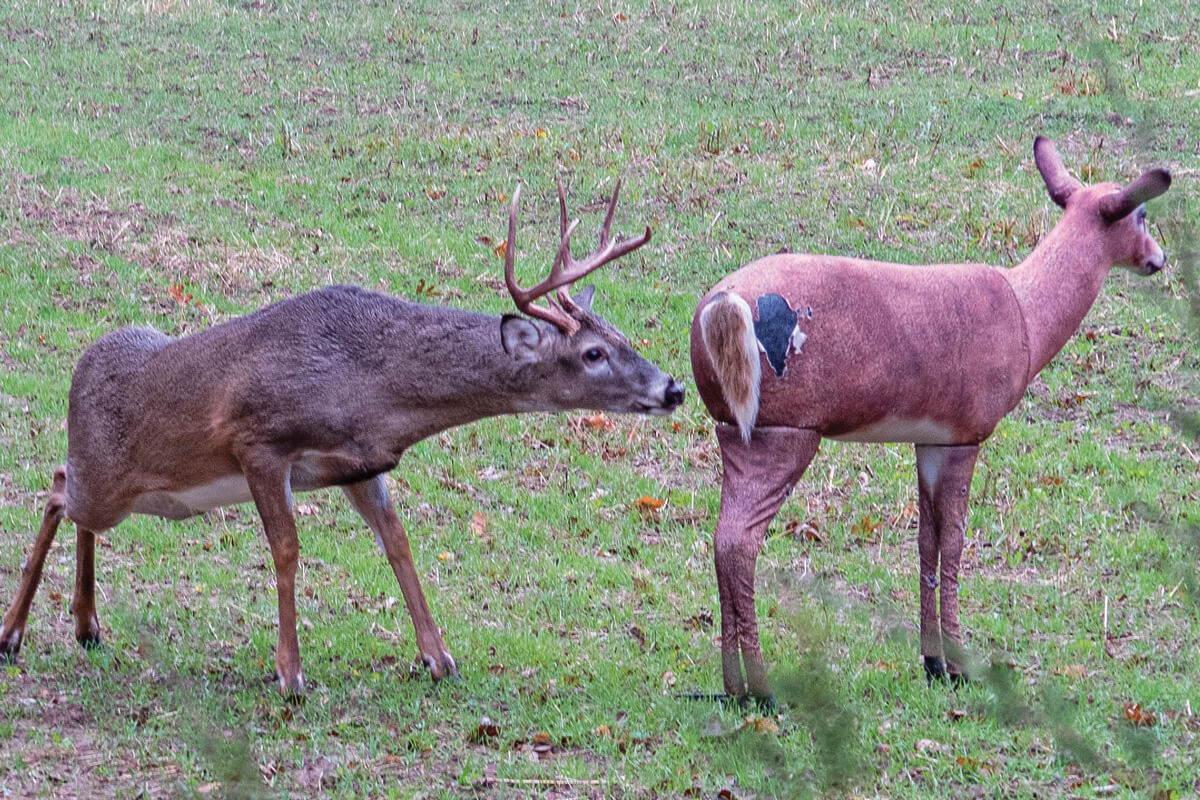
x=793 y=348
x=919 y=320
x=325 y=389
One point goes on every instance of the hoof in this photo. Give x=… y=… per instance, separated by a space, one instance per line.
x=90 y=641
x=87 y=633
x=440 y=669
x=763 y=705
x=935 y=670
x=10 y=645
x=292 y=692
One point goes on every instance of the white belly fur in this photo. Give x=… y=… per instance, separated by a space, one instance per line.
x=226 y=491
x=919 y=431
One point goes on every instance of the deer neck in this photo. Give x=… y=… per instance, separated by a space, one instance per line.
x=1054 y=287
x=451 y=369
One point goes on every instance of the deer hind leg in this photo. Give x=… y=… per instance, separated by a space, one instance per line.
x=269 y=486
x=370 y=499
x=944 y=486
x=31 y=576
x=758 y=476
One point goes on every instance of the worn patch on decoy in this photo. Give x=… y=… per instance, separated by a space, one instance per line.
x=778 y=330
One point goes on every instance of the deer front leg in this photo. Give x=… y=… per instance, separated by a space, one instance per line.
x=370 y=499
x=758 y=476
x=268 y=479
x=83 y=606
x=944 y=483
x=31 y=576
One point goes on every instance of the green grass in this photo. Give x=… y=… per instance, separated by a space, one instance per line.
x=241 y=153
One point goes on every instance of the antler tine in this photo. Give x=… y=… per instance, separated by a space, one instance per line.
x=510 y=249
x=565 y=270
x=562 y=211
x=608 y=216
x=606 y=251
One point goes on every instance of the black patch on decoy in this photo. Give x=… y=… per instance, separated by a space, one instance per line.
x=774 y=328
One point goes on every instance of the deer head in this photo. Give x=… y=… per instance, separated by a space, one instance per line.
x=585 y=361
x=1117 y=213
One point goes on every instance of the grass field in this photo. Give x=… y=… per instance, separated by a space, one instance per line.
x=179 y=162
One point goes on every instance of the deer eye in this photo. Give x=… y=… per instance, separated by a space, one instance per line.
x=593 y=355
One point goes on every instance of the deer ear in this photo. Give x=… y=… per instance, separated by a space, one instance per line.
x=584 y=298
x=1059 y=182
x=1122 y=202
x=523 y=339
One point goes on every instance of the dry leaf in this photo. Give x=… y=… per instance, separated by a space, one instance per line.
x=478 y=523
x=501 y=249
x=599 y=422
x=176 y=291
x=764 y=725
x=1140 y=717
x=445 y=556
x=648 y=506
x=1071 y=670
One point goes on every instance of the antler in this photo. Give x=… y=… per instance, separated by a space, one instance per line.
x=565 y=270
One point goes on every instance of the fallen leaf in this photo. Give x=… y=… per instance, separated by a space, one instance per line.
x=929 y=746
x=1140 y=717
x=484 y=732
x=638 y=634
x=599 y=422
x=648 y=506
x=176 y=291
x=445 y=556
x=764 y=725
x=1071 y=670
x=478 y=523
x=501 y=249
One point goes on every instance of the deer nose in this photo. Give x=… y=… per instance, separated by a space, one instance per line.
x=673 y=397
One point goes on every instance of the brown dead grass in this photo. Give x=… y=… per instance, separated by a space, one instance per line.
x=166 y=249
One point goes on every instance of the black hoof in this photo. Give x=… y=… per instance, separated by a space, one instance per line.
x=90 y=642
x=763 y=705
x=935 y=670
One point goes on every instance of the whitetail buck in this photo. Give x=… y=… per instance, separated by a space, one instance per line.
x=793 y=348
x=325 y=389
